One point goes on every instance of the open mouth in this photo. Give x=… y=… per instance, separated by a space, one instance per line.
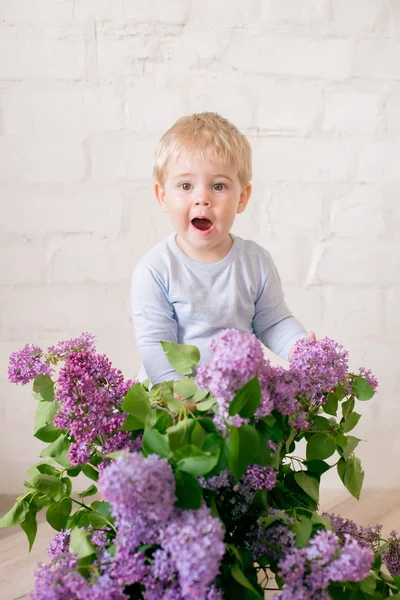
x=202 y=224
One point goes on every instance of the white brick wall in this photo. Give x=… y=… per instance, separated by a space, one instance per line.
x=87 y=87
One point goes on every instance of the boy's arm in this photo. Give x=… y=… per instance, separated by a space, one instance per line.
x=273 y=323
x=154 y=320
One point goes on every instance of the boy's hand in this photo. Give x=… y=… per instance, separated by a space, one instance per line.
x=311 y=336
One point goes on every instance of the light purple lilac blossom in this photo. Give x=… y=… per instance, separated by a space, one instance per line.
x=307 y=571
x=59 y=544
x=25 y=364
x=260 y=478
x=194 y=540
x=237 y=357
x=391 y=556
x=64 y=348
x=319 y=365
x=90 y=392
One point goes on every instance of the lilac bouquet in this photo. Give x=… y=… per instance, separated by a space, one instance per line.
x=201 y=496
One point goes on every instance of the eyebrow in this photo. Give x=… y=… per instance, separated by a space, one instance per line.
x=192 y=174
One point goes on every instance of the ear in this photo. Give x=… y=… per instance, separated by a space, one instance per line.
x=244 y=198
x=159 y=193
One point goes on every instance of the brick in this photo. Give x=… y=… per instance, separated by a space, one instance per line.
x=367 y=17
x=207 y=14
x=359 y=213
x=379 y=162
x=291 y=14
x=126 y=56
x=88 y=258
x=39 y=310
x=79 y=208
x=69 y=107
x=393 y=113
x=353 y=313
x=38 y=12
x=377 y=58
x=288 y=106
x=354 y=112
x=391 y=313
x=22 y=260
x=292 y=210
x=284 y=55
x=41 y=158
x=119 y=155
x=290 y=159
x=154 y=105
x=158 y=10
x=123 y=353
x=357 y=263
x=38 y=56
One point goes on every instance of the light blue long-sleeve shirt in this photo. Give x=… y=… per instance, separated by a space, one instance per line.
x=177 y=299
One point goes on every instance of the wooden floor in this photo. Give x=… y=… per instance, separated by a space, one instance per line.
x=16 y=564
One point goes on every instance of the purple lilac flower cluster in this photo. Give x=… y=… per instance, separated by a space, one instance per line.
x=370 y=377
x=26 y=364
x=308 y=571
x=142 y=494
x=319 y=366
x=64 y=348
x=369 y=537
x=260 y=478
x=90 y=392
x=236 y=358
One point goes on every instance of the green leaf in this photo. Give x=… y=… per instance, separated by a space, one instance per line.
x=136 y=402
x=97 y=520
x=164 y=420
x=320 y=446
x=347 y=407
x=181 y=357
x=90 y=472
x=188 y=490
x=247 y=399
x=29 y=525
x=58 y=513
x=241 y=578
x=308 y=483
x=362 y=389
x=44 y=386
x=45 y=414
x=212 y=442
x=179 y=434
x=15 y=515
x=317 y=466
x=341 y=468
x=90 y=491
x=321 y=520
x=368 y=585
x=175 y=405
x=354 y=476
x=198 y=434
x=186 y=388
x=302 y=529
x=331 y=405
x=132 y=423
x=321 y=423
x=58 y=451
x=348 y=444
x=48 y=433
x=351 y=422
x=47 y=469
x=81 y=544
x=46 y=484
x=244 y=446
x=206 y=404
x=198 y=465
x=155 y=442
x=74 y=471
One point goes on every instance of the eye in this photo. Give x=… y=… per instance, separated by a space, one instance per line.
x=185 y=186
x=218 y=187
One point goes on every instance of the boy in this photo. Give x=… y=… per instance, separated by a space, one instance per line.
x=203 y=279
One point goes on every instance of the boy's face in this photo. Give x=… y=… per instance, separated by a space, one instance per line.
x=202 y=199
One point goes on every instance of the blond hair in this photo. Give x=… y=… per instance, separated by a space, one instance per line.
x=208 y=135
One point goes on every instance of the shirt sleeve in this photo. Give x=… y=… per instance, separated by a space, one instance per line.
x=273 y=323
x=153 y=320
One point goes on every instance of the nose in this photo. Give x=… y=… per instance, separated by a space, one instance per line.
x=203 y=198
